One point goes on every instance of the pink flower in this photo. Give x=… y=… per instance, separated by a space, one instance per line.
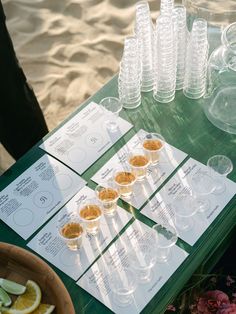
x=212 y=301
x=227 y=309
x=171 y=308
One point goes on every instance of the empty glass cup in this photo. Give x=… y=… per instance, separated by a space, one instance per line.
x=220 y=166
x=123 y=283
x=167 y=237
x=112 y=106
x=90 y=214
x=142 y=258
x=185 y=207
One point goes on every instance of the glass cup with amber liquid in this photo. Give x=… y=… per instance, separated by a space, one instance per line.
x=153 y=145
x=139 y=162
x=90 y=213
x=108 y=197
x=124 y=180
x=71 y=231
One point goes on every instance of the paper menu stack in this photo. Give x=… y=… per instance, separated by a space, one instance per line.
x=96 y=279
x=161 y=208
x=170 y=159
x=31 y=199
x=84 y=138
x=49 y=244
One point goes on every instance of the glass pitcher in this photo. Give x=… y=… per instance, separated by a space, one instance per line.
x=220 y=98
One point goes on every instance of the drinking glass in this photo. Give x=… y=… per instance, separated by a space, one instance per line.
x=167 y=237
x=202 y=184
x=153 y=144
x=142 y=258
x=112 y=106
x=124 y=180
x=123 y=283
x=108 y=196
x=139 y=163
x=71 y=231
x=90 y=214
x=220 y=166
x=185 y=207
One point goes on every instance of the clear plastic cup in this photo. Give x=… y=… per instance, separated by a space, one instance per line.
x=71 y=231
x=153 y=144
x=167 y=237
x=90 y=213
x=123 y=283
x=139 y=163
x=112 y=106
x=108 y=196
x=124 y=180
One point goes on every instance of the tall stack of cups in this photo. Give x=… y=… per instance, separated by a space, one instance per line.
x=144 y=32
x=129 y=80
x=179 y=18
x=166 y=7
x=196 y=61
x=164 y=60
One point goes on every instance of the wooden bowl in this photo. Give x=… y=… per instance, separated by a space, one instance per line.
x=20 y=265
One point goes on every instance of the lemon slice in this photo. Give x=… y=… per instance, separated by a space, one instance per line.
x=4 y=298
x=12 y=287
x=44 y=309
x=27 y=302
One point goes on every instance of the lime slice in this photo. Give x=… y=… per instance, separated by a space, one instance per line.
x=4 y=298
x=12 y=287
x=27 y=302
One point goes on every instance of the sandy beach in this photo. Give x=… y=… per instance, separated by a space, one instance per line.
x=68 y=48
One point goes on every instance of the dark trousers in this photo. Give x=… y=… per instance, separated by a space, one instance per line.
x=21 y=120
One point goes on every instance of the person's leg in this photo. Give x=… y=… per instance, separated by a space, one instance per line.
x=21 y=120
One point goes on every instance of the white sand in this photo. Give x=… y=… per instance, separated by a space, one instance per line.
x=68 y=48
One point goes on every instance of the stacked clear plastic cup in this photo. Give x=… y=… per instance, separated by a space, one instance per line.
x=144 y=32
x=129 y=80
x=179 y=19
x=166 y=7
x=164 y=60
x=196 y=61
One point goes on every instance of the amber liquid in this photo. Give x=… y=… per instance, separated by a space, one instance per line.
x=90 y=214
x=72 y=232
x=139 y=165
x=153 y=148
x=125 y=181
x=108 y=197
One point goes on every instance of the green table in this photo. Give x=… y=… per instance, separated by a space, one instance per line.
x=184 y=125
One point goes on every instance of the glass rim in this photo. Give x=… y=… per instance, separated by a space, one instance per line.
x=202 y=8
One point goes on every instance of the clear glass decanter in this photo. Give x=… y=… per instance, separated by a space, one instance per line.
x=220 y=98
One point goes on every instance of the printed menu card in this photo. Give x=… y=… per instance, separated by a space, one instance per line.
x=170 y=158
x=110 y=271
x=191 y=200
x=85 y=137
x=49 y=244
x=31 y=199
